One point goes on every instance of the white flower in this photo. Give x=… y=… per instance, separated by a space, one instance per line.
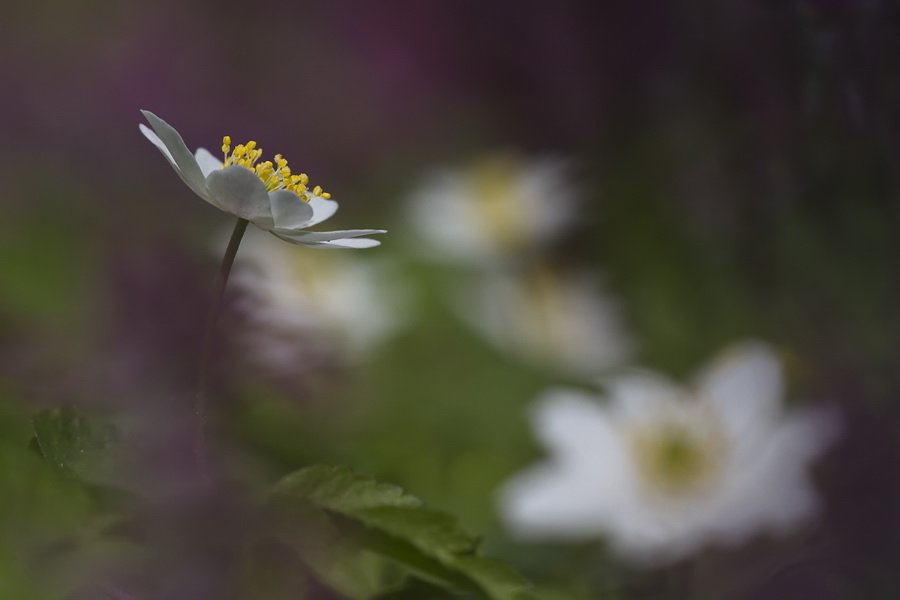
x=325 y=302
x=549 y=318
x=662 y=470
x=500 y=208
x=266 y=194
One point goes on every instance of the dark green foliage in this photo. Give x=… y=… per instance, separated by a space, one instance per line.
x=383 y=519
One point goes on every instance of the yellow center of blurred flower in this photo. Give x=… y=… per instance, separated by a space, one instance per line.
x=495 y=185
x=275 y=175
x=677 y=459
x=313 y=281
x=314 y=277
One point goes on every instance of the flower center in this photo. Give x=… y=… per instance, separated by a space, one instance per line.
x=495 y=184
x=275 y=175
x=677 y=458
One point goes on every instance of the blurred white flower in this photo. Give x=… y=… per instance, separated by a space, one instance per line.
x=499 y=208
x=661 y=470
x=267 y=194
x=549 y=318
x=331 y=304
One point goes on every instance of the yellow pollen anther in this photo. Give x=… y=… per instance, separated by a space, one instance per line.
x=274 y=175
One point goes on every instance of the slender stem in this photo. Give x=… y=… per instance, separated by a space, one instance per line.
x=209 y=334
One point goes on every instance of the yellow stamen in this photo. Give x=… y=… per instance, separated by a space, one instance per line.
x=274 y=175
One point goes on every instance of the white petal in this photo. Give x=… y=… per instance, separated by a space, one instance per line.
x=768 y=487
x=448 y=221
x=548 y=502
x=206 y=161
x=154 y=139
x=573 y=424
x=578 y=325
x=323 y=208
x=549 y=196
x=238 y=190
x=582 y=487
x=289 y=210
x=642 y=395
x=339 y=243
x=312 y=237
x=327 y=236
x=350 y=243
x=745 y=386
x=176 y=151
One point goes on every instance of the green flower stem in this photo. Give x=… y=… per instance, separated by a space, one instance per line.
x=209 y=332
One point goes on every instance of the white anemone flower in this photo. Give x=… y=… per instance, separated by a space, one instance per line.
x=549 y=318
x=500 y=208
x=265 y=193
x=661 y=471
x=328 y=303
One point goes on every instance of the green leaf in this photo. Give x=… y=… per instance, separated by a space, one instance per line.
x=69 y=441
x=416 y=589
x=382 y=518
x=342 y=490
x=497 y=578
x=85 y=449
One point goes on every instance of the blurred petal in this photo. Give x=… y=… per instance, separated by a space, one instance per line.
x=238 y=190
x=547 y=502
x=745 y=385
x=550 y=319
x=599 y=480
x=573 y=424
x=336 y=304
x=495 y=209
x=570 y=496
x=642 y=395
x=769 y=488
